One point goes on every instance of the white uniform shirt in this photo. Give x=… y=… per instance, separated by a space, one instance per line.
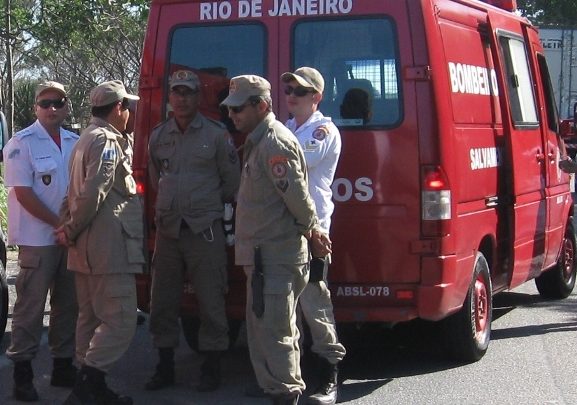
x=321 y=143
x=32 y=159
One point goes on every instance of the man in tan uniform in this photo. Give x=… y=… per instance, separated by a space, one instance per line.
x=102 y=223
x=275 y=217
x=195 y=169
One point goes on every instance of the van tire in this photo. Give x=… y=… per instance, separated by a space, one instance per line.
x=467 y=333
x=559 y=281
x=3 y=300
x=191 y=324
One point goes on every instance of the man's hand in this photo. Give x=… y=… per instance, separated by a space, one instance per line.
x=321 y=244
x=61 y=237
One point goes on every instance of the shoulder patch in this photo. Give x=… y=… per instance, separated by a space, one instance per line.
x=109 y=154
x=320 y=133
x=278 y=166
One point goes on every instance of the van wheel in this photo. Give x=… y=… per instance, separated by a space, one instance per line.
x=191 y=325
x=3 y=300
x=468 y=332
x=558 y=282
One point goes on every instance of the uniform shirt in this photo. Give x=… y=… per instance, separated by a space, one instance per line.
x=274 y=207
x=102 y=214
x=194 y=173
x=32 y=159
x=321 y=143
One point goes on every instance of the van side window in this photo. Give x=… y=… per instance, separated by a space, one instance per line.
x=518 y=81
x=550 y=104
x=358 y=54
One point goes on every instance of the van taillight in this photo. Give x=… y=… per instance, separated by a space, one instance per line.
x=435 y=194
x=140 y=178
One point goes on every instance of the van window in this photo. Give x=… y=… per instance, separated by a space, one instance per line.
x=359 y=60
x=202 y=50
x=550 y=104
x=518 y=81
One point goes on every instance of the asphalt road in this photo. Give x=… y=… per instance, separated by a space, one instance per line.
x=532 y=359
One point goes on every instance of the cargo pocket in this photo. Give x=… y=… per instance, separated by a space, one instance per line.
x=119 y=303
x=278 y=300
x=134 y=241
x=28 y=263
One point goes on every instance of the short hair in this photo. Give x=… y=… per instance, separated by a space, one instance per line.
x=356 y=104
x=257 y=99
x=104 y=110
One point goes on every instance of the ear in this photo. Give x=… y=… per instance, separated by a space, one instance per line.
x=317 y=97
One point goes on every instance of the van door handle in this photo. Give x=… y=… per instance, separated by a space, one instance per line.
x=492 y=201
x=540 y=157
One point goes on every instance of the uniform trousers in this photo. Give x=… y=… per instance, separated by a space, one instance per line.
x=43 y=269
x=273 y=339
x=203 y=257
x=106 y=318
x=317 y=309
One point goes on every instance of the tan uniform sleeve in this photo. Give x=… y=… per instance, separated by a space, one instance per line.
x=153 y=168
x=228 y=167
x=286 y=168
x=101 y=159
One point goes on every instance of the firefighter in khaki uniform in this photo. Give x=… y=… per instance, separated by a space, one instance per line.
x=275 y=217
x=321 y=142
x=195 y=168
x=102 y=224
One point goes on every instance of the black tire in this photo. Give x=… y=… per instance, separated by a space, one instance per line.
x=3 y=300
x=191 y=325
x=559 y=281
x=467 y=333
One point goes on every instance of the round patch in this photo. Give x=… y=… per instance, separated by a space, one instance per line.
x=320 y=133
x=279 y=169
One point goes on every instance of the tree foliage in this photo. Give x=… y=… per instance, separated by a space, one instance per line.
x=79 y=43
x=561 y=13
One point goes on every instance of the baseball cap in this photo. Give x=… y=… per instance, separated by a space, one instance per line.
x=109 y=92
x=243 y=87
x=49 y=85
x=306 y=77
x=185 y=78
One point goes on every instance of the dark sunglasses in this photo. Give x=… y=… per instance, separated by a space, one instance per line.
x=125 y=104
x=47 y=103
x=184 y=92
x=240 y=108
x=298 y=91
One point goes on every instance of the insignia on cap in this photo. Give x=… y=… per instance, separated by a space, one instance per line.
x=233 y=87
x=183 y=75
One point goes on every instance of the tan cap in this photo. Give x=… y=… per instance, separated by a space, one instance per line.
x=243 y=87
x=306 y=77
x=185 y=78
x=42 y=87
x=109 y=92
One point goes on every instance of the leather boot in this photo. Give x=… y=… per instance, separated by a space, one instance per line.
x=63 y=373
x=285 y=399
x=210 y=372
x=326 y=393
x=91 y=389
x=164 y=375
x=23 y=387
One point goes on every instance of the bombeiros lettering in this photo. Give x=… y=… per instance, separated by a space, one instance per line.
x=470 y=79
x=224 y=10
x=344 y=189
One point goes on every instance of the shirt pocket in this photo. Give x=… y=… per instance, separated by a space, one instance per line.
x=45 y=171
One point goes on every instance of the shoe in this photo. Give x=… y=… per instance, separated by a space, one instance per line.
x=327 y=392
x=23 y=387
x=91 y=389
x=164 y=375
x=63 y=373
x=254 y=391
x=210 y=372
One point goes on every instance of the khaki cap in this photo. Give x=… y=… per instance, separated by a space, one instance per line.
x=42 y=87
x=109 y=92
x=306 y=77
x=185 y=78
x=243 y=87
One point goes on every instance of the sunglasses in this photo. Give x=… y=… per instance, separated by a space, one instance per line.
x=240 y=108
x=298 y=91
x=184 y=92
x=47 y=103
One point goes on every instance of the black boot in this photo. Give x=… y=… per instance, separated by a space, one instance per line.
x=91 y=389
x=63 y=373
x=285 y=399
x=23 y=387
x=164 y=375
x=326 y=393
x=210 y=372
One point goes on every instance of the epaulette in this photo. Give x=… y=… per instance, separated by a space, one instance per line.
x=216 y=122
x=23 y=133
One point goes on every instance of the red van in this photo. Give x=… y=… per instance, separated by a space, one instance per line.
x=450 y=192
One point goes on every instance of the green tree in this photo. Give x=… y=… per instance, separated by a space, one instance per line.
x=549 y=12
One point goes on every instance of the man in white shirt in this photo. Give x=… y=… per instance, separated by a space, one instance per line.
x=36 y=174
x=321 y=142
